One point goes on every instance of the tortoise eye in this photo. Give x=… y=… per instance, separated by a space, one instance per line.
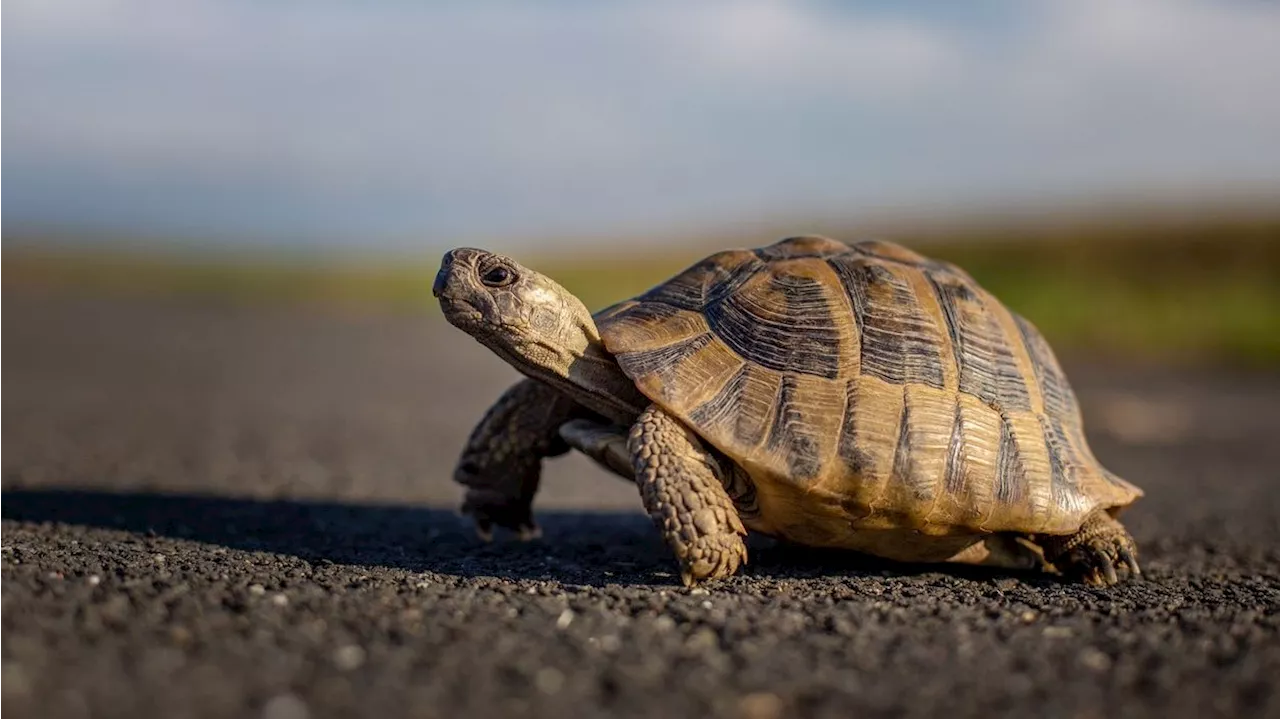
x=498 y=276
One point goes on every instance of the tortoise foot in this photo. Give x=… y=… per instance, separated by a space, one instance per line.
x=1100 y=554
x=711 y=557
x=490 y=510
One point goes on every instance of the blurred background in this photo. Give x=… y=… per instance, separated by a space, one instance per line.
x=1110 y=168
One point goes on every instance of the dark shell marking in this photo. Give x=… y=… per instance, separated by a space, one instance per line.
x=782 y=322
x=983 y=356
x=899 y=342
x=793 y=436
x=869 y=379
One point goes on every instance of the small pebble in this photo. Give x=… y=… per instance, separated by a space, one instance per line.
x=549 y=680
x=760 y=705
x=93 y=580
x=285 y=706
x=257 y=589
x=1057 y=632
x=565 y=619
x=1028 y=616
x=703 y=639
x=1006 y=584
x=279 y=600
x=349 y=657
x=1095 y=659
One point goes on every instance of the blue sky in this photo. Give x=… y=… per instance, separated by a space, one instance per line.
x=399 y=123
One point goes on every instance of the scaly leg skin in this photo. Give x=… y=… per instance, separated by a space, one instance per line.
x=1101 y=553
x=502 y=462
x=605 y=443
x=685 y=498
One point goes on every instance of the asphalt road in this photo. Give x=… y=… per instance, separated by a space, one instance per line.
x=224 y=512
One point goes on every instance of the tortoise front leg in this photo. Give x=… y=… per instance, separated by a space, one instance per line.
x=685 y=498
x=502 y=462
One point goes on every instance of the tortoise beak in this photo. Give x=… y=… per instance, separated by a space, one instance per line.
x=438 y=286
x=442 y=277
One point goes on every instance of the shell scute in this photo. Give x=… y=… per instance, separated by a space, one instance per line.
x=899 y=341
x=806 y=426
x=802 y=246
x=889 y=251
x=987 y=368
x=785 y=320
x=691 y=289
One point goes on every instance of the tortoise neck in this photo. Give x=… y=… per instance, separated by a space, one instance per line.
x=595 y=380
x=573 y=359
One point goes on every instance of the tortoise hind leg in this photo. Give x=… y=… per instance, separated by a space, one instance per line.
x=1100 y=553
x=685 y=498
x=605 y=443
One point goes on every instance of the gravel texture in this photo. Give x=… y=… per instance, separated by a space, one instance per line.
x=221 y=511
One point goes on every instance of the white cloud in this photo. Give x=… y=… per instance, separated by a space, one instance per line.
x=511 y=117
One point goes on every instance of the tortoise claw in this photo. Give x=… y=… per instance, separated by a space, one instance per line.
x=1130 y=559
x=1109 y=571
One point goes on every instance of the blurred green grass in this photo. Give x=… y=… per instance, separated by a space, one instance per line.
x=1175 y=291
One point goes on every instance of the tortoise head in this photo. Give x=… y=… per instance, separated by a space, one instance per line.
x=511 y=308
x=534 y=324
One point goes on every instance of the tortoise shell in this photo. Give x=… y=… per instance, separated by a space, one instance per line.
x=867 y=384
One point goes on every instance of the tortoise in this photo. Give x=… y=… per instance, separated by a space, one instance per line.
x=846 y=396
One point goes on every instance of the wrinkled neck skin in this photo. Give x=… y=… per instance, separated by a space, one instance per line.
x=556 y=342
